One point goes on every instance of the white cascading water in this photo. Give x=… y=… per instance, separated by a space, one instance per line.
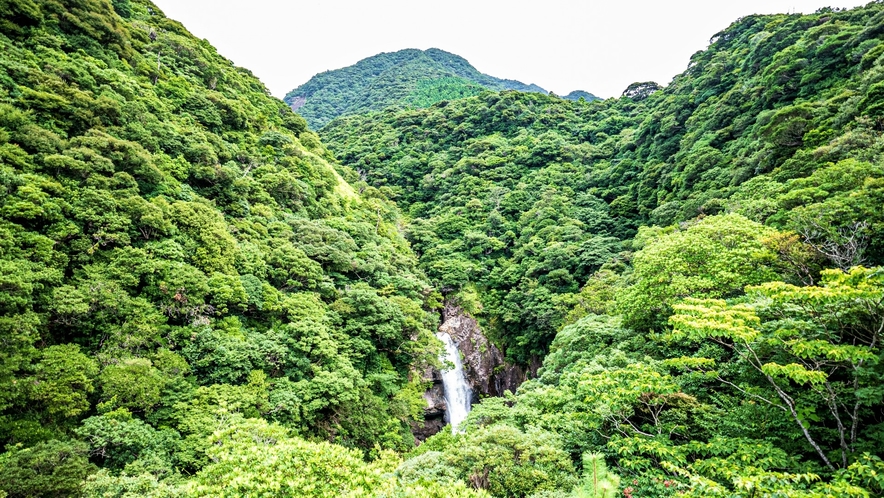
x=458 y=394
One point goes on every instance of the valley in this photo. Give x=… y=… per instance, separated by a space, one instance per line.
x=203 y=292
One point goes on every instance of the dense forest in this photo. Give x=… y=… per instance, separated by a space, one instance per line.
x=178 y=257
x=526 y=196
x=407 y=78
x=200 y=296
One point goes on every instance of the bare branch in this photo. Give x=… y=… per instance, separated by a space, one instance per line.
x=843 y=247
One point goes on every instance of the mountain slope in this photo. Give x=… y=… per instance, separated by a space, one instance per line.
x=408 y=77
x=177 y=256
x=775 y=103
x=698 y=267
x=196 y=300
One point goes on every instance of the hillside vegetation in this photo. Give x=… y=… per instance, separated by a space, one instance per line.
x=525 y=196
x=407 y=78
x=177 y=257
x=684 y=260
x=199 y=297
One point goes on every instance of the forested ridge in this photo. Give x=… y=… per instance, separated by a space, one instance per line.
x=407 y=78
x=527 y=196
x=201 y=297
x=178 y=257
x=696 y=266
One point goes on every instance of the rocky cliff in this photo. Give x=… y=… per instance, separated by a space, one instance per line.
x=434 y=413
x=486 y=370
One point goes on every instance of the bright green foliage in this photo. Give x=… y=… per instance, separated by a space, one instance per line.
x=716 y=257
x=133 y=383
x=597 y=481
x=19 y=333
x=767 y=392
x=175 y=249
x=501 y=458
x=508 y=462
x=817 y=348
x=52 y=468
x=597 y=296
x=251 y=458
x=62 y=380
x=118 y=439
x=805 y=485
x=104 y=483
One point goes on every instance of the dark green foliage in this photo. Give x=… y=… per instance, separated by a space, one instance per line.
x=525 y=196
x=409 y=78
x=499 y=201
x=52 y=468
x=428 y=92
x=641 y=91
x=580 y=94
x=123 y=8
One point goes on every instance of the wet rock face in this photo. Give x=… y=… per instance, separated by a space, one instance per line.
x=486 y=370
x=434 y=413
x=484 y=366
x=435 y=397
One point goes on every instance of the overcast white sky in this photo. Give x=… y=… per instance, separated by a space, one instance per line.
x=561 y=45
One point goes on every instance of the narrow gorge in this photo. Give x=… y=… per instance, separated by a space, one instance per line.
x=480 y=370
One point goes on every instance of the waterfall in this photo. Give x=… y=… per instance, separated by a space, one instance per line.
x=457 y=391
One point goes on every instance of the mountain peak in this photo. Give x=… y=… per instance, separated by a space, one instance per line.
x=409 y=77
